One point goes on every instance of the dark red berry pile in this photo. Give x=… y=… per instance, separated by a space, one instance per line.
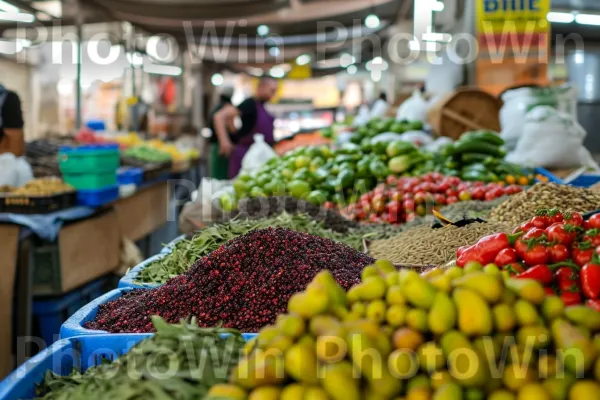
x=244 y=284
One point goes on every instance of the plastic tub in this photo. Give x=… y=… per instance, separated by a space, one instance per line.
x=130 y=176
x=128 y=281
x=89 y=159
x=168 y=249
x=91 y=181
x=65 y=355
x=97 y=198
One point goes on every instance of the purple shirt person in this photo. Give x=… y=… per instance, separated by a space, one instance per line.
x=255 y=119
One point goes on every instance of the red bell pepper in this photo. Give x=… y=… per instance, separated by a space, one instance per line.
x=594 y=304
x=540 y=273
x=486 y=249
x=590 y=280
x=571 y=298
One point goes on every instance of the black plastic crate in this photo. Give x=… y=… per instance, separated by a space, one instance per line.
x=20 y=204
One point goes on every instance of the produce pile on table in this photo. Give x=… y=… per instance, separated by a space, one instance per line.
x=187 y=252
x=378 y=126
x=428 y=246
x=320 y=175
x=402 y=200
x=560 y=250
x=447 y=335
x=523 y=206
x=42 y=187
x=200 y=358
x=244 y=284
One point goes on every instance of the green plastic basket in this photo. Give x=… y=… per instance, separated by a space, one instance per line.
x=91 y=181
x=89 y=159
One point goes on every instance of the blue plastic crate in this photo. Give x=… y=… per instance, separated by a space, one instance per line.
x=97 y=198
x=130 y=176
x=168 y=249
x=51 y=313
x=128 y=281
x=65 y=355
x=585 y=180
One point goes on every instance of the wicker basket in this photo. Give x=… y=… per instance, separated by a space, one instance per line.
x=465 y=110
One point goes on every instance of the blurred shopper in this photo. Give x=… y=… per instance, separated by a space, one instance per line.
x=380 y=107
x=221 y=145
x=255 y=119
x=12 y=139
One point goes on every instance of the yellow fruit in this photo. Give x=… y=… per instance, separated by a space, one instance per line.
x=533 y=391
x=474 y=314
x=487 y=286
x=454 y=272
x=331 y=348
x=597 y=370
x=368 y=271
x=527 y=289
x=516 y=376
x=409 y=339
x=227 y=392
x=376 y=311
x=316 y=393
x=339 y=382
x=465 y=365
x=536 y=336
x=492 y=269
x=396 y=315
x=301 y=364
x=431 y=357
x=281 y=343
x=323 y=324
x=474 y=394
x=417 y=319
x=418 y=291
x=294 y=392
x=385 y=266
x=577 y=353
x=266 y=335
x=336 y=294
x=440 y=378
x=432 y=273
x=547 y=366
x=259 y=369
x=526 y=313
x=309 y=304
x=501 y=395
x=353 y=294
x=394 y=296
x=265 y=393
x=372 y=288
x=505 y=318
x=419 y=394
x=359 y=309
x=552 y=308
x=488 y=347
x=443 y=283
x=585 y=390
x=291 y=325
x=584 y=316
x=392 y=279
x=558 y=388
x=442 y=316
x=473 y=266
x=450 y=391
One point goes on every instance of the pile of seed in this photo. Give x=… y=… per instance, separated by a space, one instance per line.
x=244 y=284
x=264 y=207
x=427 y=246
x=521 y=207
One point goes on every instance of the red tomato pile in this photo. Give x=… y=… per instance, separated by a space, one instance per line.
x=561 y=251
x=403 y=199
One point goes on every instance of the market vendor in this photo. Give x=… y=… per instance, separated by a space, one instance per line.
x=255 y=119
x=12 y=139
x=221 y=145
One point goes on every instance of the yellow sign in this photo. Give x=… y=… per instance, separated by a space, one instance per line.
x=300 y=71
x=513 y=16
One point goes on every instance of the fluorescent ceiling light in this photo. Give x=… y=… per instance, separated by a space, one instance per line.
x=159 y=69
x=588 y=19
x=437 y=6
x=352 y=70
x=277 y=72
x=263 y=30
x=17 y=17
x=561 y=17
x=303 y=59
x=274 y=51
x=372 y=21
x=217 y=79
x=4 y=6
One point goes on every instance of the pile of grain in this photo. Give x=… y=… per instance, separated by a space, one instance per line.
x=522 y=207
x=426 y=246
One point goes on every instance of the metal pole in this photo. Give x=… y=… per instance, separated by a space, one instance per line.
x=78 y=105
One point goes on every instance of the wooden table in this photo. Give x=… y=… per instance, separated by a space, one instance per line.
x=9 y=239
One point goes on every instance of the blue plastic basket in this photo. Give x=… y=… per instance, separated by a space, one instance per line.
x=74 y=325
x=63 y=356
x=97 y=198
x=51 y=313
x=168 y=249
x=130 y=176
x=585 y=180
x=128 y=281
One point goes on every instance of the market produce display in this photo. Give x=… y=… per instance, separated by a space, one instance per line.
x=560 y=250
x=244 y=284
x=147 y=154
x=140 y=374
x=402 y=200
x=445 y=335
x=428 y=246
x=377 y=126
x=42 y=187
x=187 y=252
x=340 y=176
x=523 y=206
